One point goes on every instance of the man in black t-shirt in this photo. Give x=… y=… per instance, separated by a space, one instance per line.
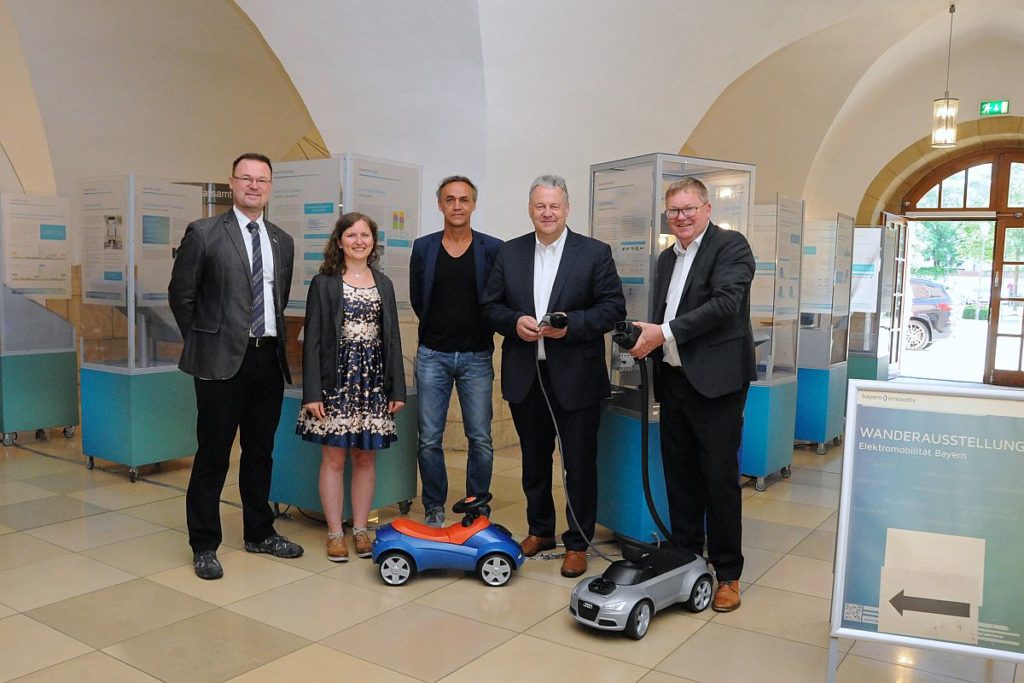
x=447 y=274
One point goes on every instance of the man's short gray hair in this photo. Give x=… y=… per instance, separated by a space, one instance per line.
x=548 y=180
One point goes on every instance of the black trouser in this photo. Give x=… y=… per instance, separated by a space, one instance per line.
x=700 y=442
x=578 y=429
x=249 y=402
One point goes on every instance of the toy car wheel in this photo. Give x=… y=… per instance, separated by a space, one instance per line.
x=396 y=568
x=700 y=595
x=495 y=569
x=639 y=620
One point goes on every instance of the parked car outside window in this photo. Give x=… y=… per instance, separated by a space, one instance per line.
x=931 y=316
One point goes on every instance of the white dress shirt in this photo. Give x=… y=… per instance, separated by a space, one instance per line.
x=267 y=255
x=680 y=271
x=546 y=258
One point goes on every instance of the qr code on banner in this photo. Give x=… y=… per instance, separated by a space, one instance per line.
x=853 y=612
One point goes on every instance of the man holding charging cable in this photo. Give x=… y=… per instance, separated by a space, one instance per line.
x=553 y=294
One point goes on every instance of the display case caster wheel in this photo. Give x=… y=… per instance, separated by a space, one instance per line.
x=760 y=484
x=821 y=449
x=836 y=441
x=405 y=506
x=10 y=438
x=133 y=474
x=90 y=463
x=69 y=432
x=786 y=472
x=40 y=434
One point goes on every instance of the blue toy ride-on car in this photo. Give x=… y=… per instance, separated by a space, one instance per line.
x=405 y=547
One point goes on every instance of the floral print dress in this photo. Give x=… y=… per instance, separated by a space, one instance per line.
x=357 y=410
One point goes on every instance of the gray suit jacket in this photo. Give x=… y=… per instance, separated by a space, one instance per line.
x=211 y=298
x=325 y=315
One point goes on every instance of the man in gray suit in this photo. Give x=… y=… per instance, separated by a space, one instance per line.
x=228 y=290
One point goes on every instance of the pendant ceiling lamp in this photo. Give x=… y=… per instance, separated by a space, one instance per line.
x=945 y=108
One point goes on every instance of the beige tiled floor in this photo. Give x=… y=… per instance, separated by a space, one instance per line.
x=96 y=584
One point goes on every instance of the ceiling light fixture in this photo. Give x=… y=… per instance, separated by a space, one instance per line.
x=945 y=108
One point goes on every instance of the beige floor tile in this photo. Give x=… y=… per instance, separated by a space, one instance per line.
x=6 y=611
x=316 y=664
x=113 y=614
x=801 y=493
x=832 y=461
x=855 y=669
x=94 y=667
x=245 y=575
x=19 y=548
x=504 y=460
x=525 y=658
x=12 y=491
x=29 y=646
x=169 y=513
x=173 y=472
x=423 y=652
x=59 y=578
x=793 y=616
x=315 y=607
x=32 y=465
x=721 y=654
x=780 y=538
x=960 y=667
x=219 y=645
x=230 y=525
x=819 y=478
x=5 y=529
x=94 y=531
x=819 y=545
x=314 y=558
x=550 y=570
x=125 y=494
x=44 y=511
x=231 y=494
x=783 y=512
x=756 y=562
x=830 y=523
x=78 y=479
x=1019 y=677
x=518 y=605
x=146 y=555
x=660 y=677
x=363 y=573
x=513 y=517
x=800 y=575
x=669 y=629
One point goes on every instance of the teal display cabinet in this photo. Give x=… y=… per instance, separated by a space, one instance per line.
x=776 y=238
x=876 y=301
x=822 y=367
x=137 y=407
x=38 y=366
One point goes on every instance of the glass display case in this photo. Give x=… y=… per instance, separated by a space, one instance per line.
x=824 y=330
x=137 y=407
x=38 y=385
x=627 y=203
x=872 y=304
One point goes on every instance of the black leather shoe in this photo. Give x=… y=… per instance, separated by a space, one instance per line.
x=276 y=545
x=207 y=565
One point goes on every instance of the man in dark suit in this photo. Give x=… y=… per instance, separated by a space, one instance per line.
x=704 y=362
x=447 y=274
x=228 y=290
x=555 y=270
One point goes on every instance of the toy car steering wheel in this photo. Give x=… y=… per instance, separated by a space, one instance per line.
x=471 y=506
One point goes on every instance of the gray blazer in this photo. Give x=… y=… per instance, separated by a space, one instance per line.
x=325 y=314
x=210 y=295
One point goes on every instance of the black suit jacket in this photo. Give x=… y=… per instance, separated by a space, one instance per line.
x=325 y=315
x=712 y=324
x=586 y=287
x=211 y=298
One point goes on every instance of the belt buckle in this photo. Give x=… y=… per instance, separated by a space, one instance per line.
x=259 y=341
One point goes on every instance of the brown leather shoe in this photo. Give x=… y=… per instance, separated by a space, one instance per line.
x=534 y=544
x=727 y=597
x=575 y=563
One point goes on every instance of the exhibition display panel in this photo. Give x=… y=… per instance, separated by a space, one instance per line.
x=137 y=407
x=824 y=331
x=38 y=387
x=775 y=237
x=627 y=212
x=307 y=199
x=872 y=315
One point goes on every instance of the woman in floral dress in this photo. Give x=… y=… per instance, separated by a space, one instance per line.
x=353 y=379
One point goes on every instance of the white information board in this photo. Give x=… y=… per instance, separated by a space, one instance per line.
x=104 y=215
x=162 y=211
x=36 y=245
x=928 y=550
x=867 y=268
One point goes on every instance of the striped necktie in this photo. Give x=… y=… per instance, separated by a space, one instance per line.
x=258 y=324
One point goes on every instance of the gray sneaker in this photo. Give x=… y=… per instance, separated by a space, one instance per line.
x=207 y=565
x=435 y=517
x=276 y=545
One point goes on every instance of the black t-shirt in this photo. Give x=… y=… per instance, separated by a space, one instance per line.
x=454 y=322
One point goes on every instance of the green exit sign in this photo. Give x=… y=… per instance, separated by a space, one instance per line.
x=994 y=108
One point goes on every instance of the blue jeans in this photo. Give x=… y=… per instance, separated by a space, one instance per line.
x=472 y=373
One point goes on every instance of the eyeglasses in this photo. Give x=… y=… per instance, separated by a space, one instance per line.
x=249 y=180
x=686 y=211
